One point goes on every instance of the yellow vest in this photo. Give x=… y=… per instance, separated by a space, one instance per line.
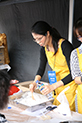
x=59 y=65
x=79 y=88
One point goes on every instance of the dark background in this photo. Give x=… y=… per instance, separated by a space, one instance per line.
x=77 y=14
x=16 y=19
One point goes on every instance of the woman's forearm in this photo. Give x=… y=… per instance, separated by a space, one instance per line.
x=37 y=77
x=78 y=80
x=57 y=84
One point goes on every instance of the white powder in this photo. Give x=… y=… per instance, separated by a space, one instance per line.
x=27 y=100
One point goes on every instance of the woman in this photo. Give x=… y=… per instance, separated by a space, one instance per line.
x=76 y=64
x=56 y=50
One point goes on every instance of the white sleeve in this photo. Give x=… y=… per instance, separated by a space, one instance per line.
x=74 y=64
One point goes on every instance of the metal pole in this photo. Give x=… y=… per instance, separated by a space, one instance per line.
x=71 y=13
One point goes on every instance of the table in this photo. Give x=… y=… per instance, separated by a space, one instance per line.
x=13 y=115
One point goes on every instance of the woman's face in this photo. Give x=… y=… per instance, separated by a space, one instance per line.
x=79 y=37
x=40 y=39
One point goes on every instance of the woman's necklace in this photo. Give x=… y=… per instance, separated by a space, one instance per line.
x=47 y=47
x=50 y=48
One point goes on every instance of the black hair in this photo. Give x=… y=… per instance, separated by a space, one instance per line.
x=41 y=27
x=4 y=88
x=78 y=26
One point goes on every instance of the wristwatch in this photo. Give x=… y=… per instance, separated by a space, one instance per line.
x=81 y=79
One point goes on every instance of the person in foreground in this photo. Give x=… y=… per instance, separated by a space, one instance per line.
x=4 y=90
x=76 y=64
x=56 y=51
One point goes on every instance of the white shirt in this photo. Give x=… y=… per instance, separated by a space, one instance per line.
x=74 y=63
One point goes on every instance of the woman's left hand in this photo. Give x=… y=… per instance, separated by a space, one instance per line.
x=46 y=89
x=49 y=88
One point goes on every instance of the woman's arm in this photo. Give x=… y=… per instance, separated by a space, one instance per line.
x=49 y=88
x=75 y=69
x=78 y=80
x=43 y=61
x=41 y=69
x=37 y=77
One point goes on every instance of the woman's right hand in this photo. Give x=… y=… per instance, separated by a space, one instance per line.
x=32 y=86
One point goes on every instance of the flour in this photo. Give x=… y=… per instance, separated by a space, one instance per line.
x=27 y=100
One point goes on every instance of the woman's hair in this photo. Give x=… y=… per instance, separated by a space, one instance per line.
x=4 y=88
x=78 y=26
x=41 y=27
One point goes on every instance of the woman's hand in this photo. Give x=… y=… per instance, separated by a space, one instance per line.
x=78 y=80
x=49 y=88
x=32 y=86
x=46 y=89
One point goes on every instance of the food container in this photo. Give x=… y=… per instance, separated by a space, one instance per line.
x=36 y=106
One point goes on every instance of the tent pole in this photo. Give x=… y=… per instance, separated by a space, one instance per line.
x=71 y=13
